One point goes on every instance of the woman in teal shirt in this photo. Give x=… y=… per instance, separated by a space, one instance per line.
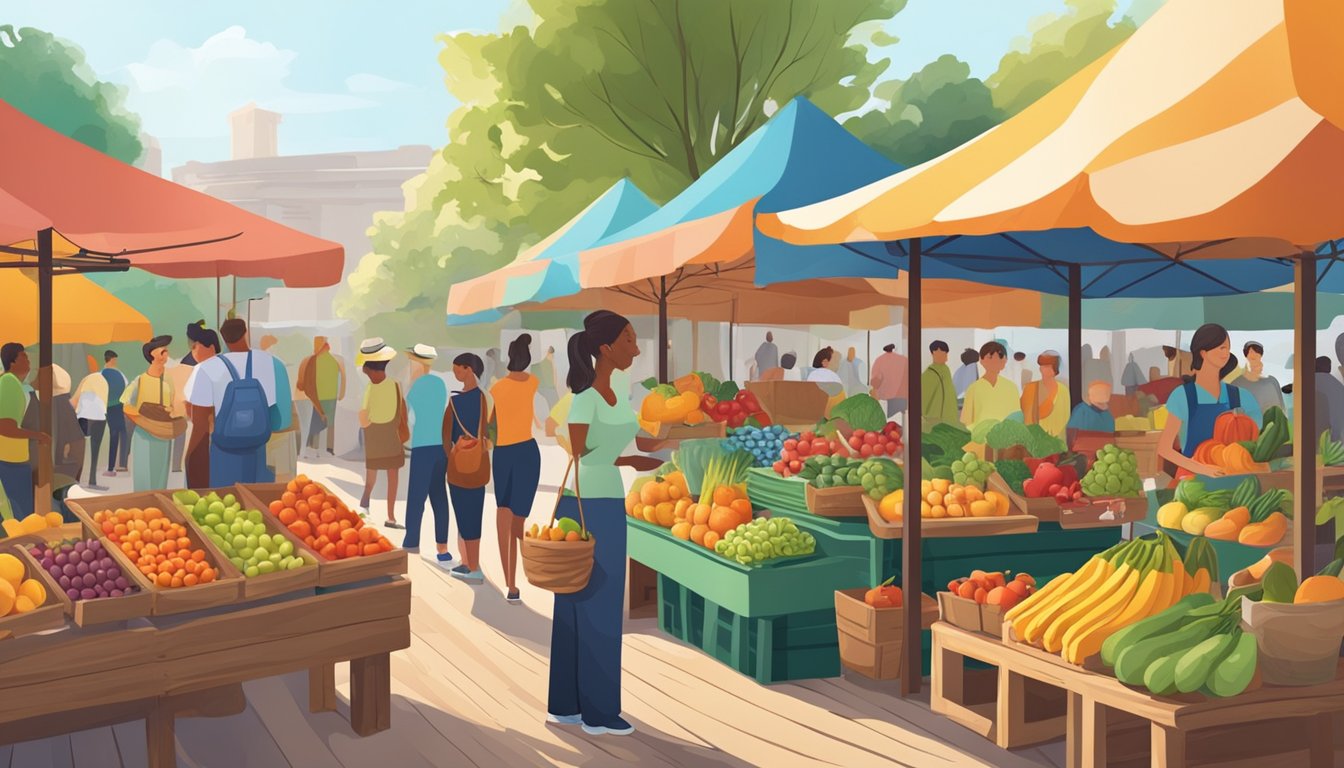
x=1193 y=407
x=585 y=683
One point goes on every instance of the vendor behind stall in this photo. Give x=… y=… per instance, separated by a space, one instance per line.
x=992 y=396
x=1046 y=402
x=1094 y=413
x=1196 y=405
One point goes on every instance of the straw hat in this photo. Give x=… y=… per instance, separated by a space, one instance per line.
x=423 y=352
x=375 y=350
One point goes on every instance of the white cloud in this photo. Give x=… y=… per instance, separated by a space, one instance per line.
x=188 y=92
x=370 y=83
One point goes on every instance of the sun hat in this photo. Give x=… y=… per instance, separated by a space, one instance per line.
x=423 y=352
x=375 y=350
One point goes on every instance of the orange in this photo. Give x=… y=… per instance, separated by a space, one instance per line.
x=698 y=533
x=22 y=604
x=1315 y=589
x=711 y=538
x=207 y=575
x=165 y=580
x=292 y=487
x=723 y=496
x=310 y=490
x=743 y=509
x=700 y=515
x=288 y=499
x=682 y=530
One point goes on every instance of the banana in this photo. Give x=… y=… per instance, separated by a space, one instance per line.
x=1090 y=577
x=1154 y=595
x=1112 y=604
x=1038 y=598
x=1081 y=604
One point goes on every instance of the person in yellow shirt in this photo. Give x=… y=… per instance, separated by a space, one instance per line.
x=516 y=463
x=1046 y=402
x=380 y=416
x=992 y=396
x=16 y=474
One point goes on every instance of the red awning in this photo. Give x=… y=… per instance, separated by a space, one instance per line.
x=99 y=204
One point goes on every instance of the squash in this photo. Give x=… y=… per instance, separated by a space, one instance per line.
x=1204 y=453
x=1237 y=459
x=1265 y=534
x=1222 y=530
x=1216 y=455
x=1233 y=427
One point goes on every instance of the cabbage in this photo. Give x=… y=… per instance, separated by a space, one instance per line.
x=980 y=432
x=1007 y=434
x=861 y=412
x=1041 y=444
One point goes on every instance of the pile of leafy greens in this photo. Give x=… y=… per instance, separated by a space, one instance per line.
x=861 y=412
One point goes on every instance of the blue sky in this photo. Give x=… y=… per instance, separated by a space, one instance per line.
x=354 y=75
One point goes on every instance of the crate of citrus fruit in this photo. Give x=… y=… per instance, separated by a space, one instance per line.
x=150 y=538
x=319 y=522
x=26 y=601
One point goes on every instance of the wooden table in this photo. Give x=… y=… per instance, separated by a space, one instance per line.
x=194 y=664
x=1097 y=701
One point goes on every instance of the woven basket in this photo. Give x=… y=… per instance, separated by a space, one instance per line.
x=562 y=567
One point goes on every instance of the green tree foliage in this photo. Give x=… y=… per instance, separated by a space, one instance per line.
x=938 y=108
x=1058 y=49
x=593 y=91
x=941 y=106
x=48 y=79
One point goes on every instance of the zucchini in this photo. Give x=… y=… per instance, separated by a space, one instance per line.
x=1231 y=676
x=1160 y=677
x=1153 y=625
x=1195 y=665
x=1134 y=661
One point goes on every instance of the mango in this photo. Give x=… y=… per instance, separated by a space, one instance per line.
x=1169 y=515
x=567 y=524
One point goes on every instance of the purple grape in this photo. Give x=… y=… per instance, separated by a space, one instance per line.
x=88 y=594
x=72 y=593
x=105 y=563
x=88 y=556
x=116 y=593
x=101 y=575
x=101 y=590
x=79 y=546
x=82 y=568
x=55 y=572
x=70 y=570
x=48 y=564
x=96 y=545
x=113 y=573
x=90 y=580
x=64 y=581
x=61 y=558
x=122 y=583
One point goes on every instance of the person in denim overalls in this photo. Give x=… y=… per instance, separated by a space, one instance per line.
x=1195 y=406
x=585 y=683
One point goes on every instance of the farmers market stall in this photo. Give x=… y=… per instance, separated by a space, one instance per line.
x=156 y=605
x=1240 y=230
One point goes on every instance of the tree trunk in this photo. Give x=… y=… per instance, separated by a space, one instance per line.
x=662 y=331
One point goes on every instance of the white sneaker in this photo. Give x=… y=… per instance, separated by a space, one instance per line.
x=618 y=727
x=564 y=719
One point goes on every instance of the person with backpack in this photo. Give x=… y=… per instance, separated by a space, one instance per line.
x=383 y=419
x=236 y=390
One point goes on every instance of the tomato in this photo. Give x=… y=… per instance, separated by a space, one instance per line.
x=866 y=451
x=790 y=444
x=870 y=438
x=855 y=441
x=807 y=437
x=795 y=466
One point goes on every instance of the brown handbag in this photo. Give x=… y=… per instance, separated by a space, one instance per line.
x=158 y=421
x=468 y=461
x=403 y=419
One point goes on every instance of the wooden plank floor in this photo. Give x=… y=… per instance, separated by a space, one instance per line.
x=471 y=691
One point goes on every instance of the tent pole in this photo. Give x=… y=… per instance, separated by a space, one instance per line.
x=46 y=454
x=912 y=650
x=662 y=330
x=1076 y=386
x=732 y=322
x=869 y=357
x=218 y=302
x=1306 y=486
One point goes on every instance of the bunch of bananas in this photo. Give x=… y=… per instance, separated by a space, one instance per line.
x=1076 y=612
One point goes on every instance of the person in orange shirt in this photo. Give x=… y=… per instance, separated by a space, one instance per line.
x=517 y=459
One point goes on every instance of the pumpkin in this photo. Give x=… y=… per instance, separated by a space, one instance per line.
x=1204 y=453
x=1238 y=460
x=1234 y=427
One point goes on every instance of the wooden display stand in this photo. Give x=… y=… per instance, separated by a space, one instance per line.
x=951 y=527
x=194 y=665
x=1294 y=726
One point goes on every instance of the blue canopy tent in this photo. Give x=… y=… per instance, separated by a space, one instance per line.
x=550 y=268
x=707 y=230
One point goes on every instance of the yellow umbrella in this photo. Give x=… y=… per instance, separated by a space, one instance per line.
x=83 y=312
x=1213 y=121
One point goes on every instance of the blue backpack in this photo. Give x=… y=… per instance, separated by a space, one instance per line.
x=244 y=419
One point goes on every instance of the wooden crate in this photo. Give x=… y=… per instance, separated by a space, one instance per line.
x=836 y=502
x=671 y=435
x=100 y=610
x=266 y=584
x=225 y=589
x=1103 y=513
x=951 y=527
x=1103 y=720
x=856 y=618
x=330 y=573
x=1144 y=446
x=50 y=615
x=960 y=612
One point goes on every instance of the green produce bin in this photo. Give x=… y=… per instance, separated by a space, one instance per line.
x=773 y=649
x=1232 y=557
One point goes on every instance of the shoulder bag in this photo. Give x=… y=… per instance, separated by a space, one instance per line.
x=468 y=461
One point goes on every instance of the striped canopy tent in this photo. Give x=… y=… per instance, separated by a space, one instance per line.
x=550 y=268
x=1214 y=132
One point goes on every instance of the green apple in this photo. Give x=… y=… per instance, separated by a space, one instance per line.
x=254 y=515
x=286 y=548
x=229 y=500
x=223 y=530
x=211 y=519
x=252 y=571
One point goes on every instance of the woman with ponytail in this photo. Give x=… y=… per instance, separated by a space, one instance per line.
x=517 y=459
x=585 y=686
x=1194 y=407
